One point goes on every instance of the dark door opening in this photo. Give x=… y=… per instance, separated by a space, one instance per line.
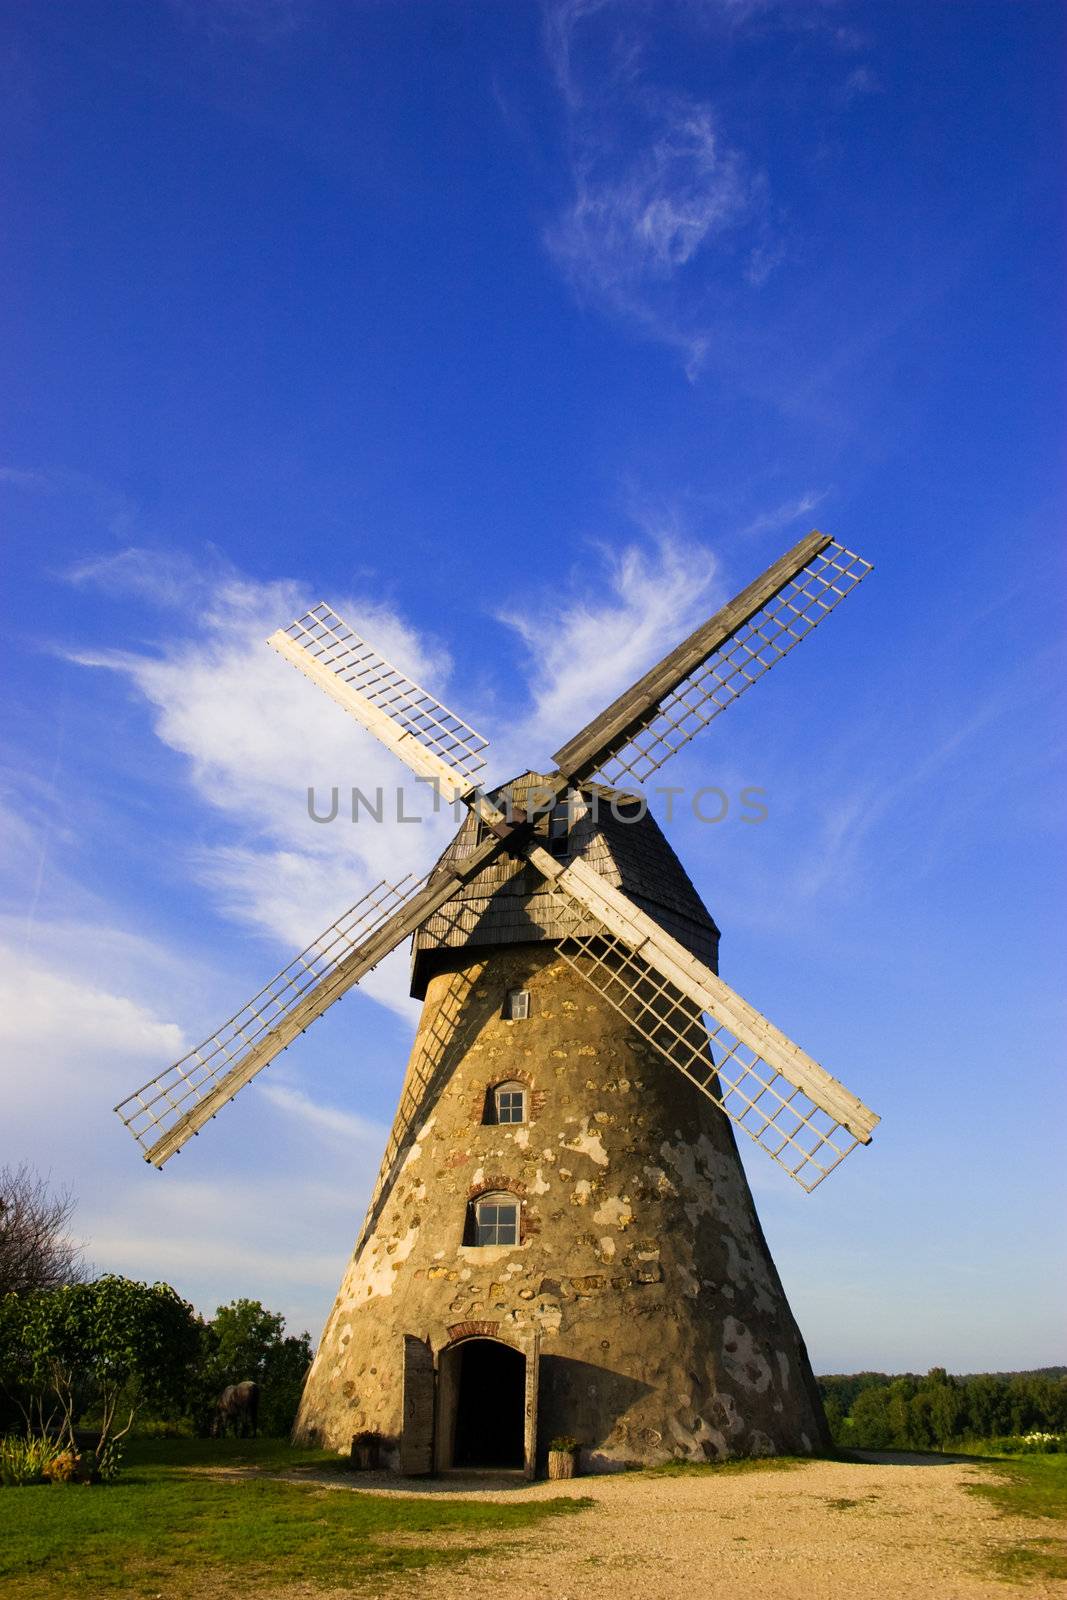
x=491 y=1405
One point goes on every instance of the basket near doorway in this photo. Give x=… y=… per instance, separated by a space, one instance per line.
x=563 y=1457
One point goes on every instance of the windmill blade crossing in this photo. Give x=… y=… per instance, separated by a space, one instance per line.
x=166 y=1112
x=787 y=1103
x=711 y=669
x=429 y=738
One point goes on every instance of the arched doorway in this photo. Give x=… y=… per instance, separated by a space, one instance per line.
x=483 y=1386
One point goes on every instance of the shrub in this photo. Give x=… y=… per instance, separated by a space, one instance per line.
x=25 y=1460
x=112 y=1344
x=1030 y=1444
x=67 y=1466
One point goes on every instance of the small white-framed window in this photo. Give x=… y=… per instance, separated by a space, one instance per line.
x=517 y=1005
x=496 y=1219
x=509 y=1102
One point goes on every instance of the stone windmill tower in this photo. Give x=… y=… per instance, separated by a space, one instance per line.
x=561 y=1238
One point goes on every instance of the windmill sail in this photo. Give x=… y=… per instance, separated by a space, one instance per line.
x=432 y=740
x=711 y=669
x=166 y=1112
x=787 y=1103
x=782 y=1098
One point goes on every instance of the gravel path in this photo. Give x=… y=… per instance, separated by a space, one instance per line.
x=819 y=1531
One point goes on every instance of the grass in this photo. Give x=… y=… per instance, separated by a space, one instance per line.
x=1029 y=1486
x=168 y=1526
x=685 y=1469
x=271 y=1455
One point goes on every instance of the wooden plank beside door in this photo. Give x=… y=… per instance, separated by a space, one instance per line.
x=416 y=1439
x=533 y=1372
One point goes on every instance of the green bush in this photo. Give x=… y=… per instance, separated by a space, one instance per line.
x=1037 y=1443
x=112 y=1346
x=25 y=1460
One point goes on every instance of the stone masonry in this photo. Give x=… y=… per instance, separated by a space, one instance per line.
x=664 y=1329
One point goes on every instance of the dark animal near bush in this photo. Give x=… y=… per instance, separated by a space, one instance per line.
x=238 y=1408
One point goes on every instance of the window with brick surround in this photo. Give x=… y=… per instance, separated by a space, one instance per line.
x=509 y=1102
x=496 y=1219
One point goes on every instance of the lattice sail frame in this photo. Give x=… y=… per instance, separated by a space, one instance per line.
x=155 y=1108
x=757 y=646
x=799 y=1133
x=806 y=1141
x=332 y=645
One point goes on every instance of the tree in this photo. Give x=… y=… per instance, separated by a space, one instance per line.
x=16 y=1366
x=36 y=1250
x=113 y=1345
x=243 y=1335
x=871 y=1429
x=245 y=1340
x=987 y=1406
x=283 y=1383
x=901 y=1424
x=947 y=1409
x=835 y=1417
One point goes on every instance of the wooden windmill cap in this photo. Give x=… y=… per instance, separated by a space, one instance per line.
x=510 y=904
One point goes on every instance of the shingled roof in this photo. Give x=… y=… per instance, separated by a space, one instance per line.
x=509 y=902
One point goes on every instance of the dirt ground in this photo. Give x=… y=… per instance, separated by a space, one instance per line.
x=871 y=1530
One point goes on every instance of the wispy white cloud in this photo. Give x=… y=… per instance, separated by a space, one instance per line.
x=256 y=735
x=637 y=221
x=650 y=218
x=626 y=236
x=863 y=805
x=635 y=604
x=95 y=502
x=671 y=226
x=283 y=1238
x=655 y=182
x=162 y=577
x=88 y=1011
x=623 y=609
x=85 y=1016
x=332 y=1120
x=894 y=797
x=784 y=515
x=55 y=1019
x=763 y=261
x=239 y=1266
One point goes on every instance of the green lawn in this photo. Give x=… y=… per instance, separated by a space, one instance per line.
x=1030 y=1486
x=168 y=1527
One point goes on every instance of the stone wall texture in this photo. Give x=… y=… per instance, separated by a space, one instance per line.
x=664 y=1329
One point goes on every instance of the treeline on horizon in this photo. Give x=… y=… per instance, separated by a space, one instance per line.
x=905 y=1411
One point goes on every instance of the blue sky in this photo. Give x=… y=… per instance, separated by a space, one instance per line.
x=526 y=336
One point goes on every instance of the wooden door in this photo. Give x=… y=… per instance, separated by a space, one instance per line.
x=416 y=1440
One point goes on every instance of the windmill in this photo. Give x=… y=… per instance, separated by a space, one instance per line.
x=561 y=1220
